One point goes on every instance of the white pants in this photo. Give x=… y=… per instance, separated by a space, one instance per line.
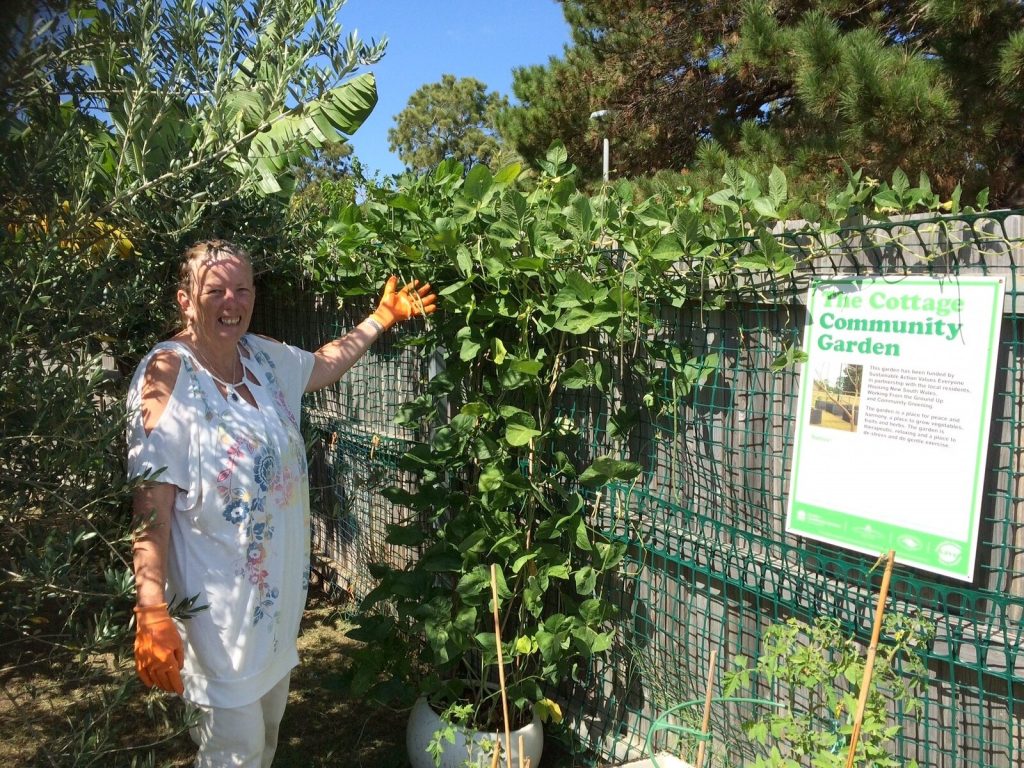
x=241 y=737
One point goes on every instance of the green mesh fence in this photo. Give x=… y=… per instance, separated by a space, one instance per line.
x=354 y=444
x=710 y=566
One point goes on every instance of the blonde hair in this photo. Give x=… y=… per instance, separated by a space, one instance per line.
x=199 y=252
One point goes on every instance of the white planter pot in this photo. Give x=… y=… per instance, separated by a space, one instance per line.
x=663 y=760
x=471 y=748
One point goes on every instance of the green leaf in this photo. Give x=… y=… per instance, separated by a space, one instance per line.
x=610 y=554
x=577 y=376
x=475 y=587
x=887 y=199
x=765 y=208
x=607 y=468
x=399 y=496
x=471 y=343
x=245 y=107
x=478 y=184
x=582 y=535
x=954 y=199
x=580 y=320
x=469 y=350
x=514 y=212
x=523 y=646
x=900 y=182
x=600 y=642
x=586 y=580
x=528 y=367
x=404 y=202
x=417 y=457
x=758 y=732
x=464 y=260
x=724 y=198
x=490 y=478
x=756 y=261
x=668 y=249
x=454 y=288
x=580 y=216
x=566 y=299
x=777 y=190
x=498 y=351
x=548 y=711
x=522 y=560
x=441 y=561
x=790 y=355
x=622 y=421
x=348 y=105
x=530 y=265
x=551 y=644
x=405 y=535
x=521 y=429
x=555 y=158
x=751 y=187
x=508 y=174
x=582 y=286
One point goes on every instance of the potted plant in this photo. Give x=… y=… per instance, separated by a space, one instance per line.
x=503 y=484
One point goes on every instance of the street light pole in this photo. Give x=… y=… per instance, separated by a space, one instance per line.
x=598 y=117
x=604 y=164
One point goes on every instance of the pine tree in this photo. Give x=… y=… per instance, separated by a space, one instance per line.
x=655 y=65
x=930 y=87
x=555 y=103
x=453 y=118
x=814 y=86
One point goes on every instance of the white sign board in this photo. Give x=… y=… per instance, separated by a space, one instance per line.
x=893 y=417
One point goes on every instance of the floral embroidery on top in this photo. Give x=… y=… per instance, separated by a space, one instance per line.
x=251 y=471
x=196 y=388
x=247 y=509
x=242 y=506
x=279 y=399
x=264 y=468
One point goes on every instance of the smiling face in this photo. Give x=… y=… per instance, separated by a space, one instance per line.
x=218 y=300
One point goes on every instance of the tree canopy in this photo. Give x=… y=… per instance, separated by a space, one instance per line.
x=454 y=118
x=814 y=86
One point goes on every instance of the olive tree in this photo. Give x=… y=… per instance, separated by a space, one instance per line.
x=127 y=129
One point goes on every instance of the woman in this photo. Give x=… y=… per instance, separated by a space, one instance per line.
x=224 y=512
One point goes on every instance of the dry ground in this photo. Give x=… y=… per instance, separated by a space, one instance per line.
x=322 y=726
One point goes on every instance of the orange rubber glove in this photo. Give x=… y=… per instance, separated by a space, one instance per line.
x=159 y=654
x=396 y=306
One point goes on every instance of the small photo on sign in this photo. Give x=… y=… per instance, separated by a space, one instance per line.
x=836 y=395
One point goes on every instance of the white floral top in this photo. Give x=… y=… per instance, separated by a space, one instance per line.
x=240 y=530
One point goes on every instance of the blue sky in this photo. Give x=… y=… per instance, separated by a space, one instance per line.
x=484 y=39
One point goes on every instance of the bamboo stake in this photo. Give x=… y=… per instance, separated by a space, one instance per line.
x=707 y=708
x=869 y=662
x=501 y=666
x=497 y=755
x=521 y=750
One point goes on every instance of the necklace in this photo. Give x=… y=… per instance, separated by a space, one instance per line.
x=232 y=389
